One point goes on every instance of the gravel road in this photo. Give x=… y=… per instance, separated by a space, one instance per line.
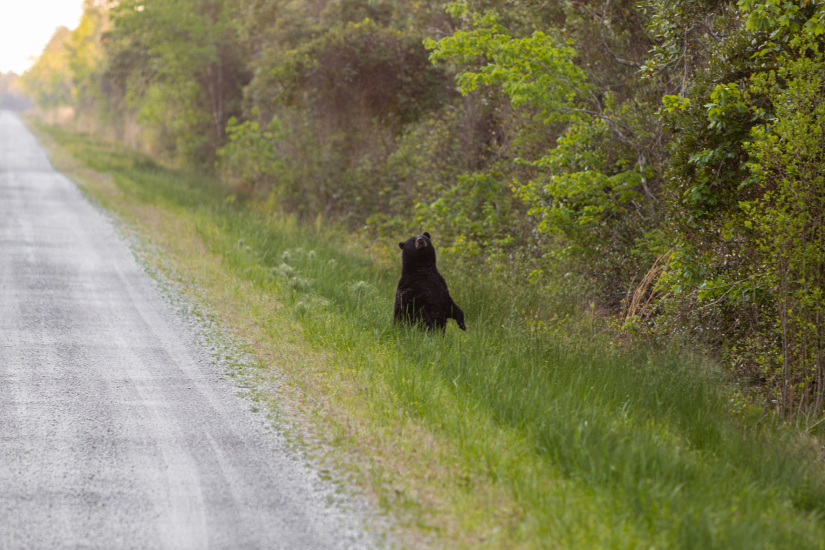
x=116 y=428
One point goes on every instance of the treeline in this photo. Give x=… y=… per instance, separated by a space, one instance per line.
x=11 y=96
x=668 y=154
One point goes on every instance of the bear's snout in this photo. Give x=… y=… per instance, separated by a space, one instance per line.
x=420 y=242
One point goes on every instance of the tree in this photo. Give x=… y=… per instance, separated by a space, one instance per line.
x=788 y=162
x=11 y=96
x=180 y=64
x=597 y=176
x=49 y=82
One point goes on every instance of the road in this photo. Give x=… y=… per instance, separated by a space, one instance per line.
x=116 y=428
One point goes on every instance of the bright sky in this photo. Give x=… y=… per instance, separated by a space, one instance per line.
x=27 y=25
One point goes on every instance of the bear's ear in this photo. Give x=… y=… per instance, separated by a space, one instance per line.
x=401 y=245
x=427 y=235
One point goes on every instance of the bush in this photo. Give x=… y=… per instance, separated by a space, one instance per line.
x=787 y=157
x=250 y=159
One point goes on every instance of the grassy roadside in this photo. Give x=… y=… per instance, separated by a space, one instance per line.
x=505 y=436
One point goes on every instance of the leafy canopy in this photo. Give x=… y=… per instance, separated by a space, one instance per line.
x=579 y=188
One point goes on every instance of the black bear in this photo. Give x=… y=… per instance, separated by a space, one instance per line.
x=422 y=295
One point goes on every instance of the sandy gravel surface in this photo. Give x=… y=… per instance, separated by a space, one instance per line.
x=116 y=428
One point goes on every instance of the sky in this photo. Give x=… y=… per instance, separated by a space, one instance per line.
x=27 y=25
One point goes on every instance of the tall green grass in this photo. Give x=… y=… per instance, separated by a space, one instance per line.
x=600 y=446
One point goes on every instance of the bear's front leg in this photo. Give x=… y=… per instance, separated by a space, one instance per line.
x=457 y=314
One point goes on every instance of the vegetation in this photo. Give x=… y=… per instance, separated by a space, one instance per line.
x=610 y=180
x=11 y=97
x=582 y=443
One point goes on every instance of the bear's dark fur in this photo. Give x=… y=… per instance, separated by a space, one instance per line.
x=422 y=295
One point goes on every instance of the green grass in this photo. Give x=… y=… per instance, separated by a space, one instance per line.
x=598 y=446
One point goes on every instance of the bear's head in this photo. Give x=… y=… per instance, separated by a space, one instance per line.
x=418 y=250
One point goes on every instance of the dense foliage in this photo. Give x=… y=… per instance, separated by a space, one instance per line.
x=665 y=153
